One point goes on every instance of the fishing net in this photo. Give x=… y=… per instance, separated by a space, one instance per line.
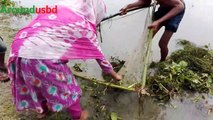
x=124 y=40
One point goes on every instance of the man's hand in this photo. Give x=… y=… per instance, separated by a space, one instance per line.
x=154 y=26
x=138 y=3
x=123 y=10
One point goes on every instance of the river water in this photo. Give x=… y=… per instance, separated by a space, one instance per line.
x=195 y=27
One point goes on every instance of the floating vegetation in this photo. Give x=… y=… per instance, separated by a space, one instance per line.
x=95 y=99
x=77 y=67
x=187 y=69
x=116 y=63
x=7 y=3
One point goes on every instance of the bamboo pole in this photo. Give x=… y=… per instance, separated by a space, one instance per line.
x=146 y=63
x=150 y=37
x=102 y=82
x=118 y=14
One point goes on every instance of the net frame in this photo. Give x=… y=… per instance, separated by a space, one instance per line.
x=146 y=37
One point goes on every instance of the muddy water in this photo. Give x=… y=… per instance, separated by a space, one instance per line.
x=125 y=104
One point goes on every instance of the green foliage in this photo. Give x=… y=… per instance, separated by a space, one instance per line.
x=188 y=69
x=7 y=3
x=113 y=116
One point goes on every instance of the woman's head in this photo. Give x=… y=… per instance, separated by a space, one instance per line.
x=100 y=10
x=93 y=10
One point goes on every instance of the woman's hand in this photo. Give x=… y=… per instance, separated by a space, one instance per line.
x=116 y=76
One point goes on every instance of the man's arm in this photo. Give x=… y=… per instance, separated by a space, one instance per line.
x=178 y=7
x=139 y=3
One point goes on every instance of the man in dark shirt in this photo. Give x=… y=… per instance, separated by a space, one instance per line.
x=169 y=14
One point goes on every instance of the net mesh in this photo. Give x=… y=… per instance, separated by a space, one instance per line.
x=125 y=39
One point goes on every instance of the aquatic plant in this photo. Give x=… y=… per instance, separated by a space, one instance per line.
x=7 y=3
x=187 y=69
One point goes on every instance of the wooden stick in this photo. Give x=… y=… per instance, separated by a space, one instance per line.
x=108 y=84
x=118 y=14
x=150 y=35
x=102 y=82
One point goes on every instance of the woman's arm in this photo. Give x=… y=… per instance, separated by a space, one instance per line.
x=108 y=69
x=105 y=65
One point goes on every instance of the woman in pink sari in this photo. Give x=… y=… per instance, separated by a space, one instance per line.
x=40 y=77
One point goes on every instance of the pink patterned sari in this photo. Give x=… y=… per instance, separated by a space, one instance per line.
x=40 y=51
